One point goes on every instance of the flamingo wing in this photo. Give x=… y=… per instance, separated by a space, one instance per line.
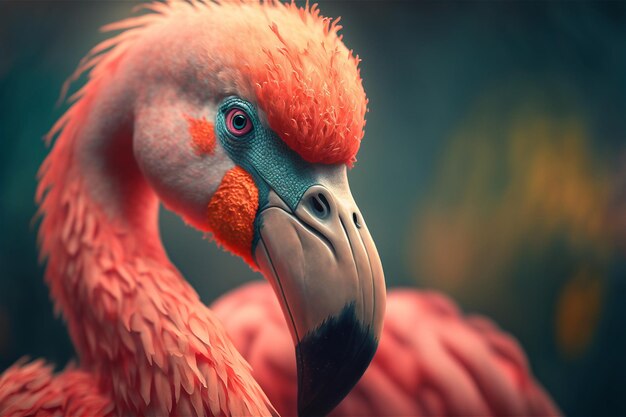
x=431 y=359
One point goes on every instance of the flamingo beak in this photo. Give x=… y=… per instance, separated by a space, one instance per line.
x=328 y=277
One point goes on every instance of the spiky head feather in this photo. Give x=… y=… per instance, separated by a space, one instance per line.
x=310 y=88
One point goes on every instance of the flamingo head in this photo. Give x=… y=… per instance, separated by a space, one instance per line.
x=249 y=136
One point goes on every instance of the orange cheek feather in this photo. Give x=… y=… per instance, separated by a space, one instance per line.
x=202 y=135
x=232 y=211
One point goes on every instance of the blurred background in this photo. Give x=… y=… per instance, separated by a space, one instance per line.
x=493 y=168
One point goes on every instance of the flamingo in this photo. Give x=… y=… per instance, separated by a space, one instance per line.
x=242 y=117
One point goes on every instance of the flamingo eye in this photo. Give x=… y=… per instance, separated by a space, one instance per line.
x=238 y=122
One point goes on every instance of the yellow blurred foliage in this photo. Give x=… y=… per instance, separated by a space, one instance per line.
x=578 y=311
x=516 y=178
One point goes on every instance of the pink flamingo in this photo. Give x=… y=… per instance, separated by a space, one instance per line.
x=242 y=118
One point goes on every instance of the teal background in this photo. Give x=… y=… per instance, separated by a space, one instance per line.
x=442 y=182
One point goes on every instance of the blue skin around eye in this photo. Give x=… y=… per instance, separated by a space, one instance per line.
x=266 y=157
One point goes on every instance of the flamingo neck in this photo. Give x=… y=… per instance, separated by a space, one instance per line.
x=135 y=322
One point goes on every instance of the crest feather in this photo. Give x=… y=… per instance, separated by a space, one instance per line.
x=311 y=90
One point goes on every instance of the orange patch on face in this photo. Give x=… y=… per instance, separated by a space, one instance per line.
x=202 y=136
x=232 y=211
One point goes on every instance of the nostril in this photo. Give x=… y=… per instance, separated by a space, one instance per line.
x=324 y=201
x=319 y=205
x=355 y=219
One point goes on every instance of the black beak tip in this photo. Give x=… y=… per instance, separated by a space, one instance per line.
x=331 y=360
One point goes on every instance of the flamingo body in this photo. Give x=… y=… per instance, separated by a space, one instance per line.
x=431 y=360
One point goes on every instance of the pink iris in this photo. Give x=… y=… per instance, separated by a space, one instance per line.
x=237 y=122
